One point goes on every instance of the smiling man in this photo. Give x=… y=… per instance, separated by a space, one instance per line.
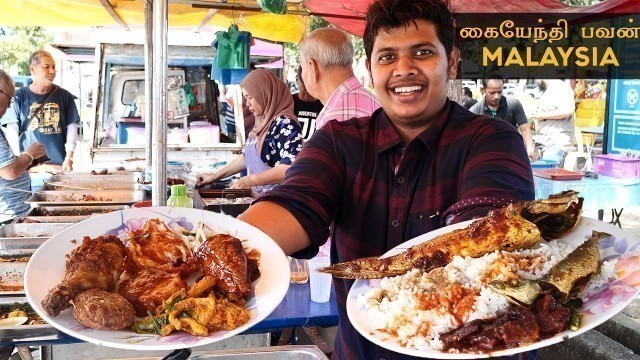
x=419 y=163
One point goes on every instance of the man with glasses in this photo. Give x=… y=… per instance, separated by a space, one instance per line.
x=15 y=183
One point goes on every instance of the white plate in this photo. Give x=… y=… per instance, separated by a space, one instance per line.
x=46 y=269
x=600 y=307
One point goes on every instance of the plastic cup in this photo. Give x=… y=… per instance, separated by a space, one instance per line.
x=299 y=271
x=319 y=283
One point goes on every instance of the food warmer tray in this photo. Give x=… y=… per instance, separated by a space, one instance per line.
x=293 y=352
x=130 y=177
x=104 y=197
x=54 y=211
x=51 y=219
x=45 y=230
x=12 y=266
x=23 y=333
x=90 y=185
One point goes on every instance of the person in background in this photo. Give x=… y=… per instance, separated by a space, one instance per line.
x=419 y=163
x=15 y=182
x=467 y=98
x=274 y=142
x=44 y=112
x=507 y=108
x=326 y=58
x=554 y=117
x=306 y=107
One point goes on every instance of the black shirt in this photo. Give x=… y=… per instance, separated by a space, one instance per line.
x=307 y=112
x=509 y=110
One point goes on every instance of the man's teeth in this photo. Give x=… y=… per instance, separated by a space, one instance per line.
x=407 y=89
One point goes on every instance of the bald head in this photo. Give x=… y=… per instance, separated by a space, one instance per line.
x=329 y=47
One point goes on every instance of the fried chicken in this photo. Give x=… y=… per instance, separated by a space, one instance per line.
x=149 y=288
x=223 y=258
x=102 y=310
x=95 y=264
x=156 y=246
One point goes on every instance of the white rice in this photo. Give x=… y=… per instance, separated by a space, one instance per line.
x=395 y=305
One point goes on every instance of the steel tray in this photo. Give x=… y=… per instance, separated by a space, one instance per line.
x=121 y=176
x=21 y=243
x=25 y=332
x=90 y=185
x=51 y=219
x=293 y=352
x=45 y=230
x=74 y=210
x=12 y=272
x=104 y=197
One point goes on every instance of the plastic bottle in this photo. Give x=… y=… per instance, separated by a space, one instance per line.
x=179 y=197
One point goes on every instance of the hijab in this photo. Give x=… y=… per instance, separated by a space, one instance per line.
x=275 y=98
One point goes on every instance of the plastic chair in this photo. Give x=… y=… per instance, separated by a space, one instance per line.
x=572 y=157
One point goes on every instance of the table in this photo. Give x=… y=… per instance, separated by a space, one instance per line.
x=295 y=310
x=605 y=192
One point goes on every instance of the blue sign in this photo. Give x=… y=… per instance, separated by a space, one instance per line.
x=624 y=116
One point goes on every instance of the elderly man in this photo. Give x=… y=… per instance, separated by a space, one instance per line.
x=15 y=182
x=509 y=109
x=418 y=163
x=554 y=117
x=326 y=57
x=45 y=113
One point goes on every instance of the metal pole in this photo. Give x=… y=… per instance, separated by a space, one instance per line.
x=148 y=81
x=159 y=164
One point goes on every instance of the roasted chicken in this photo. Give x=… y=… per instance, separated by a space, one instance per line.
x=95 y=264
x=156 y=246
x=224 y=263
x=149 y=288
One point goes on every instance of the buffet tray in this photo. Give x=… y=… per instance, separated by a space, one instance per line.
x=43 y=230
x=51 y=219
x=12 y=334
x=21 y=243
x=55 y=211
x=12 y=266
x=226 y=201
x=90 y=185
x=70 y=178
x=103 y=197
x=293 y=352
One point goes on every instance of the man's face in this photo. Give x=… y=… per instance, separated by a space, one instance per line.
x=6 y=94
x=493 y=92
x=44 y=72
x=542 y=85
x=410 y=72
x=309 y=85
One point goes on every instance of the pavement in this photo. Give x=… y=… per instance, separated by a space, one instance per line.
x=617 y=338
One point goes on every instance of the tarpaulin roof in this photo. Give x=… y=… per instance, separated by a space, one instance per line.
x=78 y=13
x=350 y=13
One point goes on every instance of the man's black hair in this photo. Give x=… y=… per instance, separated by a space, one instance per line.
x=492 y=76
x=467 y=92
x=389 y=14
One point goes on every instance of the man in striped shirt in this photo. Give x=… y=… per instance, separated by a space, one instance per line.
x=15 y=182
x=326 y=57
x=419 y=163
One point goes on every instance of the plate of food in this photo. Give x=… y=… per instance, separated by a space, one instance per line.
x=524 y=277
x=156 y=278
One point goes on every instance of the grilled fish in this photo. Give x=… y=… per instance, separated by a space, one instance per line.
x=501 y=229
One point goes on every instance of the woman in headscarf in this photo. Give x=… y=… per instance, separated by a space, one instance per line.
x=274 y=141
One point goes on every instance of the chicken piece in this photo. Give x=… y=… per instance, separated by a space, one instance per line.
x=223 y=258
x=102 y=310
x=95 y=264
x=156 y=246
x=149 y=288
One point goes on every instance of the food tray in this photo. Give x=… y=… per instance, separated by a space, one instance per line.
x=615 y=165
x=246 y=195
x=293 y=352
x=12 y=266
x=130 y=177
x=104 y=197
x=557 y=174
x=22 y=243
x=12 y=334
x=44 y=230
x=91 y=185
x=51 y=219
x=74 y=210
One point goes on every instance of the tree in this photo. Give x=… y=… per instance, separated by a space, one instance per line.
x=17 y=43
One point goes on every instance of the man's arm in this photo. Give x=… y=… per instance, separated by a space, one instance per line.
x=277 y=222
x=525 y=130
x=70 y=146
x=11 y=131
x=16 y=166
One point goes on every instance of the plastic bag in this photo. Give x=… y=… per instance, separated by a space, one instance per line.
x=191 y=97
x=278 y=7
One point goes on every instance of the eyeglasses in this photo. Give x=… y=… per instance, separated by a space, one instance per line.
x=8 y=97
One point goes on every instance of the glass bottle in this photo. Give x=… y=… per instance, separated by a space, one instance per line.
x=179 y=197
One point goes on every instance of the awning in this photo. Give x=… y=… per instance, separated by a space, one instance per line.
x=86 y=13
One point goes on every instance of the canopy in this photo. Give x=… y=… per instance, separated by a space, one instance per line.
x=84 y=13
x=349 y=14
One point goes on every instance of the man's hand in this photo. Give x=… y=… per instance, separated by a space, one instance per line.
x=531 y=151
x=36 y=150
x=67 y=164
x=245 y=182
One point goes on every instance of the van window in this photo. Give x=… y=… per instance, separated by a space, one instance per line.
x=131 y=90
